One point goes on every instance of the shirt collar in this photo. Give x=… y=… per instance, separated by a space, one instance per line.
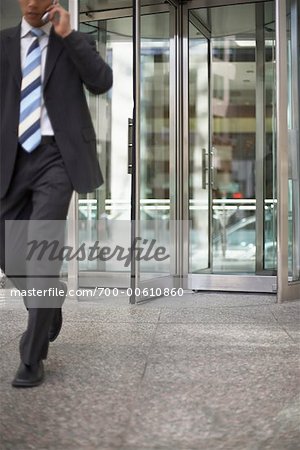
x=26 y=28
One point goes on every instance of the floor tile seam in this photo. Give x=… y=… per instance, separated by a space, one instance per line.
x=155 y=300
x=117 y=447
x=233 y=295
x=135 y=398
x=136 y=307
x=191 y=308
x=106 y=307
x=283 y=328
x=195 y=322
x=172 y=307
x=289 y=335
x=219 y=304
x=223 y=307
x=204 y=441
x=179 y=446
x=161 y=447
x=108 y=322
x=143 y=320
x=265 y=305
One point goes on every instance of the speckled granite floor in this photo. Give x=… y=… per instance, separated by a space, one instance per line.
x=205 y=371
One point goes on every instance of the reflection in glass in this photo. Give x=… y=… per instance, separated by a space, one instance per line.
x=155 y=133
x=234 y=126
x=293 y=12
x=198 y=149
x=233 y=143
x=270 y=194
x=110 y=113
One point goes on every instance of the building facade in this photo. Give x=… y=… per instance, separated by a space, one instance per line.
x=199 y=144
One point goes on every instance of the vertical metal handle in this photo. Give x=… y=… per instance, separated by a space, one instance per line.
x=204 y=168
x=212 y=166
x=130 y=144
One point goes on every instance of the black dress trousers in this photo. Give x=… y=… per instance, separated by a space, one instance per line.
x=35 y=207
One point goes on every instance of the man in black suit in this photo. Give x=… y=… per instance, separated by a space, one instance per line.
x=48 y=149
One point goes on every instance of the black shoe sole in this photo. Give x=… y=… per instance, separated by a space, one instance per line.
x=26 y=384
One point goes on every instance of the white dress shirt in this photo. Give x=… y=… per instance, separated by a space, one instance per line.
x=26 y=41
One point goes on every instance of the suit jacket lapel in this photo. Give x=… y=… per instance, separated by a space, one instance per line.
x=55 y=47
x=13 y=47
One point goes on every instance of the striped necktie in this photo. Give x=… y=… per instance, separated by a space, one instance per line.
x=31 y=96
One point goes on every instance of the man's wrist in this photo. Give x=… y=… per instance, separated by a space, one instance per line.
x=67 y=33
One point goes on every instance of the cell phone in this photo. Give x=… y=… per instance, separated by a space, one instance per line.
x=45 y=17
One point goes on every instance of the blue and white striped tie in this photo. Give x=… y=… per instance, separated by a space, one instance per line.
x=31 y=96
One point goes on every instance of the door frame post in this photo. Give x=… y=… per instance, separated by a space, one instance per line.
x=72 y=221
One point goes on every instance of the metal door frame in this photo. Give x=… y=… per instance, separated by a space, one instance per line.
x=287 y=289
x=205 y=281
x=72 y=222
x=153 y=281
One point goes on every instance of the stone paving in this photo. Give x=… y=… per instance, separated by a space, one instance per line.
x=204 y=371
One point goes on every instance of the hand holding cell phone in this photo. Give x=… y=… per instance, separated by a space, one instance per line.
x=59 y=17
x=46 y=15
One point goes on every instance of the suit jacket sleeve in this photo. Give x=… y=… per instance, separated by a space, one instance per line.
x=93 y=70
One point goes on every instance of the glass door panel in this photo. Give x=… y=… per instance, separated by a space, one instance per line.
x=199 y=149
x=288 y=35
x=155 y=136
x=270 y=188
x=293 y=42
x=112 y=114
x=155 y=196
x=233 y=141
x=242 y=204
x=105 y=213
x=293 y=38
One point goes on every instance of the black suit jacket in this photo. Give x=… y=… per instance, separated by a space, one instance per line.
x=71 y=63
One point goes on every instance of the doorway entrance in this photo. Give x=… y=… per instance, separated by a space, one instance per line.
x=231 y=155
x=113 y=115
x=198 y=165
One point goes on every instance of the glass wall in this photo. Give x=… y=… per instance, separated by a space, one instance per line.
x=233 y=139
x=110 y=112
x=155 y=129
x=270 y=166
x=232 y=127
x=233 y=134
x=293 y=46
x=288 y=148
x=199 y=147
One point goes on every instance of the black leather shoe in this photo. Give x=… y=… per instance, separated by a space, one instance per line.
x=29 y=376
x=56 y=324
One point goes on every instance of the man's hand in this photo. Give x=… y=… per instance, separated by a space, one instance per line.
x=60 y=19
